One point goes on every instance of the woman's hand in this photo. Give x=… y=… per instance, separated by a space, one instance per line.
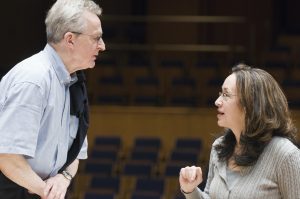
x=190 y=178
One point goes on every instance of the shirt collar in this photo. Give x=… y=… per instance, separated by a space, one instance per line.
x=60 y=69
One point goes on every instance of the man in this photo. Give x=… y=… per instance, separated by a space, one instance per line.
x=36 y=128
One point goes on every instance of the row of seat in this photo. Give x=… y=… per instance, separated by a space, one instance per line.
x=109 y=187
x=142 y=167
x=155 y=143
x=144 y=158
x=171 y=86
x=112 y=173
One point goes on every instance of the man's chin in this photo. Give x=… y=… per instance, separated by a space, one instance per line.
x=89 y=66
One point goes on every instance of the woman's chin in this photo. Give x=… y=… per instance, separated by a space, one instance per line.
x=220 y=123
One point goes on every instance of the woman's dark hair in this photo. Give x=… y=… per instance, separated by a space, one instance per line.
x=266 y=115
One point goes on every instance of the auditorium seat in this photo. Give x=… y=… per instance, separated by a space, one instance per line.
x=203 y=71
x=104 y=156
x=280 y=54
x=145 y=150
x=137 y=169
x=95 y=195
x=138 y=58
x=183 y=92
x=188 y=144
x=112 y=90
x=104 y=153
x=278 y=69
x=147 y=143
x=99 y=167
x=186 y=151
x=149 y=186
x=105 y=184
x=108 y=141
x=172 y=169
x=131 y=170
x=107 y=68
x=139 y=155
x=103 y=187
x=146 y=91
x=167 y=69
x=277 y=60
x=187 y=157
x=144 y=196
x=132 y=72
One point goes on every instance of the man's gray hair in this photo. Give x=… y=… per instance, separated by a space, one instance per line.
x=66 y=16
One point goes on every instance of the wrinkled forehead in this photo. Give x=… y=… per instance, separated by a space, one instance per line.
x=93 y=23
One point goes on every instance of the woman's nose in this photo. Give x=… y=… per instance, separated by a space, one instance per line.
x=218 y=101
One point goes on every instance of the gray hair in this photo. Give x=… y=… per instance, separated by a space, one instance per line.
x=66 y=16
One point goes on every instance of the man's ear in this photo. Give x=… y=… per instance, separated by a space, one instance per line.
x=69 y=39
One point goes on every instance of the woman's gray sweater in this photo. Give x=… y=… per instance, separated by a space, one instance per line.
x=275 y=175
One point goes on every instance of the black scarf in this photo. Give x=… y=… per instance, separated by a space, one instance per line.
x=79 y=108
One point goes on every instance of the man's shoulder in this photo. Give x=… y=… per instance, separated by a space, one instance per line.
x=38 y=63
x=35 y=69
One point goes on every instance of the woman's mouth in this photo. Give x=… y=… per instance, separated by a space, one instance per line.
x=219 y=114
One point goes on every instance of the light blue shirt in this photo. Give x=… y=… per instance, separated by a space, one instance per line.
x=35 y=118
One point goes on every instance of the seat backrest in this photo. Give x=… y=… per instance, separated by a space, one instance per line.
x=99 y=167
x=189 y=143
x=148 y=185
x=147 y=142
x=92 y=195
x=112 y=141
x=109 y=184
x=137 y=169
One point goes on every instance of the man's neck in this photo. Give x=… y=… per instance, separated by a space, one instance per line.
x=64 y=55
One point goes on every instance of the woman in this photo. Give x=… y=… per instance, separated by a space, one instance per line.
x=256 y=157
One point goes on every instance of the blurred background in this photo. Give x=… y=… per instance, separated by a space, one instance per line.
x=152 y=91
x=170 y=53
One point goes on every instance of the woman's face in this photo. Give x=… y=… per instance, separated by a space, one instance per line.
x=230 y=113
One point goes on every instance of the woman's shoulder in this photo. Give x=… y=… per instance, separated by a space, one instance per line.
x=283 y=155
x=282 y=146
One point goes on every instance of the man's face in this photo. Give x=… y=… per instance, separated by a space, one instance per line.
x=88 y=43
